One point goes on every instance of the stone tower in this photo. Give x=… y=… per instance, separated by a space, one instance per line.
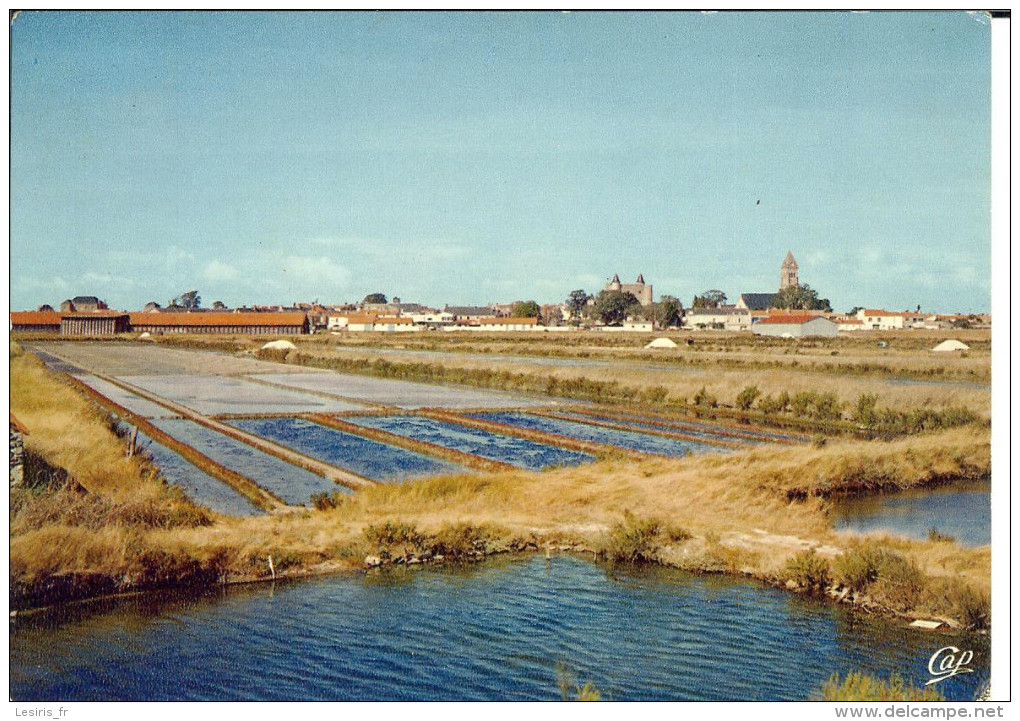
x=788 y=274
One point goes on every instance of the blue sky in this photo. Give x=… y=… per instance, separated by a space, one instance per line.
x=469 y=158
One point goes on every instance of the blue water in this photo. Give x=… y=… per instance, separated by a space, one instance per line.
x=367 y=458
x=670 y=428
x=516 y=451
x=197 y=485
x=960 y=510
x=289 y=483
x=709 y=430
x=496 y=631
x=632 y=440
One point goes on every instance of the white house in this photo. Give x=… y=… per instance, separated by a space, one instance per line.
x=846 y=325
x=875 y=319
x=727 y=317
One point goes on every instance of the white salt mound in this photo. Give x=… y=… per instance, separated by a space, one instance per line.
x=950 y=345
x=279 y=345
x=661 y=343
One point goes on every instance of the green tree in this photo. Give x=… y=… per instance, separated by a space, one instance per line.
x=577 y=301
x=801 y=297
x=526 y=309
x=374 y=298
x=709 y=299
x=218 y=305
x=613 y=306
x=191 y=299
x=667 y=312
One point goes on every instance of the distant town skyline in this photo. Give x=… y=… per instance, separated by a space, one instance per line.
x=468 y=158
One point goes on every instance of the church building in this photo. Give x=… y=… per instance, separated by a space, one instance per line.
x=639 y=289
x=788 y=277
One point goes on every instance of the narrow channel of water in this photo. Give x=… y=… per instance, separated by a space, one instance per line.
x=960 y=510
x=365 y=457
x=508 y=449
x=290 y=483
x=633 y=440
x=197 y=485
x=495 y=631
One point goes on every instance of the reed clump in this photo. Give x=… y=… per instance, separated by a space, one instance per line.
x=453 y=541
x=809 y=571
x=858 y=686
x=638 y=540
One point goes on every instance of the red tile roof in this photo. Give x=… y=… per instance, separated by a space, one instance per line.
x=35 y=317
x=96 y=314
x=218 y=319
x=791 y=319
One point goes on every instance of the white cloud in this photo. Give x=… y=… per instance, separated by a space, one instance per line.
x=54 y=283
x=216 y=270
x=312 y=271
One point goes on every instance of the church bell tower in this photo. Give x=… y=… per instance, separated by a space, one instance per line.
x=788 y=275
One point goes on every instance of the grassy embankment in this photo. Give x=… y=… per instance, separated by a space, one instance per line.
x=779 y=398
x=906 y=353
x=751 y=512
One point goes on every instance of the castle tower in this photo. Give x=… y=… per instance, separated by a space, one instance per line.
x=788 y=275
x=614 y=284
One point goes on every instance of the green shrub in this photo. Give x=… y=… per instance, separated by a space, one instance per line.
x=864 y=687
x=460 y=539
x=857 y=568
x=864 y=410
x=677 y=534
x=935 y=535
x=747 y=397
x=972 y=608
x=394 y=534
x=769 y=405
x=632 y=540
x=809 y=570
x=704 y=399
x=900 y=582
x=324 y=501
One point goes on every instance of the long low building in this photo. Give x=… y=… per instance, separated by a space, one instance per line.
x=112 y=322
x=96 y=323
x=36 y=321
x=228 y=322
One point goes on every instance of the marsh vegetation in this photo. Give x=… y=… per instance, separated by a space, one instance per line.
x=756 y=511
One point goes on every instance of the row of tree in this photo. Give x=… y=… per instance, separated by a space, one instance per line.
x=794 y=297
x=612 y=307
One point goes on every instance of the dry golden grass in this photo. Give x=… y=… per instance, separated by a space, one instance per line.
x=74 y=435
